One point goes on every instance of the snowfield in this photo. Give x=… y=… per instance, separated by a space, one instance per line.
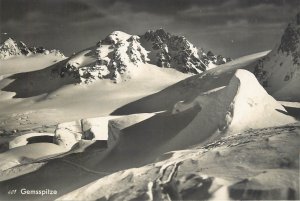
x=168 y=120
x=23 y=64
x=135 y=118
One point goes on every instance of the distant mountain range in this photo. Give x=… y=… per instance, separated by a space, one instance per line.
x=11 y=48
x=118 y=55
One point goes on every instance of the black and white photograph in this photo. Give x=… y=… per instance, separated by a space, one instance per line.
x=149 y=100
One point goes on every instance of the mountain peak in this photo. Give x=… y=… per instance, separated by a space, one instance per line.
x=9 y=41
x=279 y=70
x=159 y=35
x=11 y=48
x=116 y=37
x=167 y=50
x=290 y=40
x=119 y=56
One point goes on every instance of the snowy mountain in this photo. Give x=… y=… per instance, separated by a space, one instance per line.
x=116 y=57
x=162 y=133
x=168 y=50
x=11 y=48
x=212 y=136
x=279 y=71
x=119 y=55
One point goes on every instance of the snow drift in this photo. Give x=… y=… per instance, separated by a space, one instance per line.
x=241 y=105
x=238 y=167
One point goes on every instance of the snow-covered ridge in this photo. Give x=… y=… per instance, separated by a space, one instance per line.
x=279 y=71
x=11 y=48
x=120 y=56
x=241 y=105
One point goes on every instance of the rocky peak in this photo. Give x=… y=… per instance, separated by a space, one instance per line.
x=11 y=48
x=280 y=68
x=158 y=36
x=171 y=51
x=290 y=40
x=210 y=59
x=119 y=55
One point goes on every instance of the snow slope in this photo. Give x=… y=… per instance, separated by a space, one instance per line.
x=36 y=95
x=239 y=167
x=148 y=136
x=224 y=135
x=21 y=64
x=28 y=154
x=72 y=137
x=241 y=105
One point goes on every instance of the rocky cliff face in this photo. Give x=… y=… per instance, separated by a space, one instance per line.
x=168 y=50
x=279 y=71
x=211 y=60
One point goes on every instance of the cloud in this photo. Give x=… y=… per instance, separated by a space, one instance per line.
x=234 y=11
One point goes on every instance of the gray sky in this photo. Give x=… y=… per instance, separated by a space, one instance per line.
x=229 y=27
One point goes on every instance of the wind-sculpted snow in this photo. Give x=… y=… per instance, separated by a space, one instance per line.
x=107 y=129
x=69 y=137
x=71 y=133
x=28 y=138
x=202 y=115
x=241 y=105
x=68 y=134
x=243 y=166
